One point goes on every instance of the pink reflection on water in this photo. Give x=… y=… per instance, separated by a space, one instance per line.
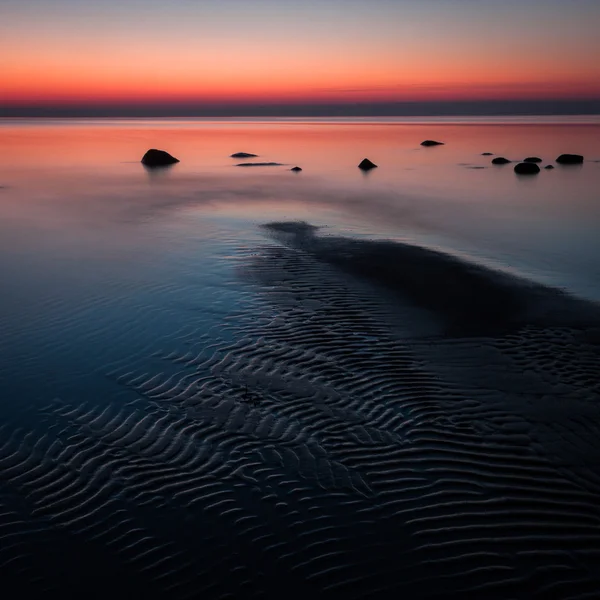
x=61 y=176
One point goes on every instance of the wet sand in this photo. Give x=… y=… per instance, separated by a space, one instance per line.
x=208 y=393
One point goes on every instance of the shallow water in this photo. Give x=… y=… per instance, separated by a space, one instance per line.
x=66 y=173
x=183 y=388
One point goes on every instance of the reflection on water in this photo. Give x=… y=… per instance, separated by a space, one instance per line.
x=179 y=391
x=91 y=243
x=68 y=178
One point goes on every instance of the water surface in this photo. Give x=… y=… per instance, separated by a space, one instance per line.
x=406 y=383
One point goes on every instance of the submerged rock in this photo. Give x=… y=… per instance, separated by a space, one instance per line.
x=431 y=143
x=500 y=160
x=366 y=165
x=243 y=155
x=532 y=159
x=158 y=158
x=259 y=164
x=526 y=168
x=570 y=159
x=296 y=169
x=549 y=167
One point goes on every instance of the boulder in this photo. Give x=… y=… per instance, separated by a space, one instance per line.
x=158 y=158
x=526 y=168
x=532 y=159
x=549 y=167
x=366 y=165
x=243 y=155
x=570 y=159
x=500 y=160
x=296 y=169
x=431 y=143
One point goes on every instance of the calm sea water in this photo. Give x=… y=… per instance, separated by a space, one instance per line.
x=77 y=188
x=101 y=258
x=128 y=290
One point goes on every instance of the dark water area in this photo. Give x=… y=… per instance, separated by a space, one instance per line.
x=219 y=382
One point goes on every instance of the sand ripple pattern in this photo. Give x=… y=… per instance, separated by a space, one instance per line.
x=320 y=441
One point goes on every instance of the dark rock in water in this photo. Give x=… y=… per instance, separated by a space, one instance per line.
x=261 y=164
x=532 y=159
x=526 y=168
x=431 y=143
x=296 y=169
x=570 y=159
x=158 y=158
x=487 y=154
x=243 y=155
x=549 y=167
x=500 y=160
x=366 y=165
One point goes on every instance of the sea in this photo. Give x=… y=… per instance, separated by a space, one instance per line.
x=232 y=380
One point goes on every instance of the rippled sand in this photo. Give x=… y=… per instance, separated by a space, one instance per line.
x=326 y=441
x=198 y=401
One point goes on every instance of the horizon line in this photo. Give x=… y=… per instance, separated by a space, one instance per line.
x=546 y=107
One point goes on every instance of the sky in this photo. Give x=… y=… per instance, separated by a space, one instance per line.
x=236 y=56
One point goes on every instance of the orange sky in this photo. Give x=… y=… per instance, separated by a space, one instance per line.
x=77 y=53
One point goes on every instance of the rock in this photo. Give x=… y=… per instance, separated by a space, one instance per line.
x=296 y=169
x=366 y=165
x=570 y=159
x=260 y=164
x=526 y=168
x=158 y=158
x=532 y=159
x=549 y=167
x=487 y=154
x=500 y=160
x=431 y=143
x=243 y=155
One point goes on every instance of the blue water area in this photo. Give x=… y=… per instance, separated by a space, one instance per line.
x=220 y=382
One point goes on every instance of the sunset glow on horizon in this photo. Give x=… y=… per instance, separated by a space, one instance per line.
x=78 y=53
